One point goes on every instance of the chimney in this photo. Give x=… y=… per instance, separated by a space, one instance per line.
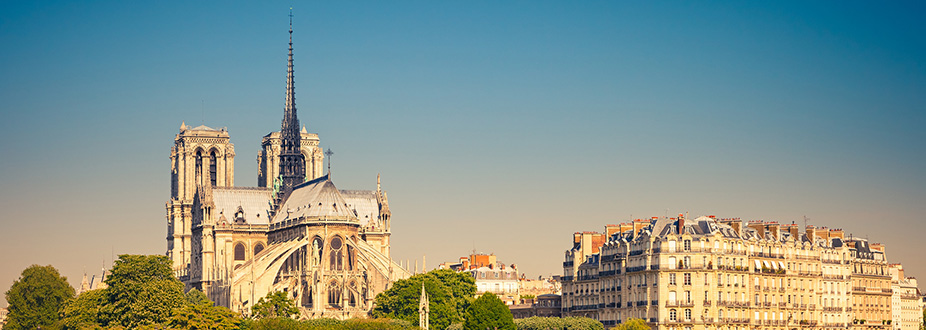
x=811 y=232
x=737 y=226
x=681 y=223
x=757 y=225
x=795 y=233
x=611 y=230
x=773 y=228
x=837 y=233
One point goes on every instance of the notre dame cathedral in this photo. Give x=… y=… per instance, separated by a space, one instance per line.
x=295 y=232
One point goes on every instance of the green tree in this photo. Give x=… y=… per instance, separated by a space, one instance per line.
x=567 y=323
x=142 y=290
x=488 y=312
x=196 y=297
x=84 y=312
x=275 y=304
x=449 y=293
x=462 y=287
x=37 y=298
x=205 y=316
x=632 y=324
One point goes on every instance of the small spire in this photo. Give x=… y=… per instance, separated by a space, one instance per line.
x=182 y=126
x=378 y=187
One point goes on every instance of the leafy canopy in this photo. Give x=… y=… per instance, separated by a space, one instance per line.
x=488 y=312
x=205 y=316
x=567 y=323
x=449 y=294
x=143 y=293
x=275 y=304
x=37 y=297
x=142 y=290
x=633 y=324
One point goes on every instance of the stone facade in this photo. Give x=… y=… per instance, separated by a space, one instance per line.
x=329 y=249
x=906 y=303
x=545 y=305
x=711 y=273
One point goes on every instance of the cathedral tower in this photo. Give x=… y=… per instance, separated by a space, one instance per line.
x=201 y=156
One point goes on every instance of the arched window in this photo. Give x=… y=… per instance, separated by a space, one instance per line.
x=212 y=168
x=336 y=261
x=353 y=294
x=259 y=247
x=239 y=252
x=673 y=315
x=306 y=294
x=334 y=294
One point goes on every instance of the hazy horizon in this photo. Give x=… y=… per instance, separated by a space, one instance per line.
x=503 y=127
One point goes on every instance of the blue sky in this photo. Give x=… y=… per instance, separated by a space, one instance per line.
x=504 y=126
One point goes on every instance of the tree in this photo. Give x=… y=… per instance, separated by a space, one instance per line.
x=275 y=304
x=196 y=297
x=488 y=312
x=566 y=323
x=205 y=316
x=449 y=293
x=633 y=324
x=37 y=298
x=142 y=290
x=84 y=312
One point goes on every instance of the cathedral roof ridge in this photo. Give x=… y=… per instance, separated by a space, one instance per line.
x=316 y=199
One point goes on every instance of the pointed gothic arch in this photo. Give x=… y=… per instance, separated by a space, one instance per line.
x=334 y=294
x=240 y=254
x=213 y=167
x=336 y=256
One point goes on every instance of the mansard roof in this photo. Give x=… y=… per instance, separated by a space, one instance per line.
x=318 y=199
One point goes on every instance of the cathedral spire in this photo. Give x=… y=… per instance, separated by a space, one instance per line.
x=292 y=162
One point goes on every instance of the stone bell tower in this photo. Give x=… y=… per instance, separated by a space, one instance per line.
x=201 y=156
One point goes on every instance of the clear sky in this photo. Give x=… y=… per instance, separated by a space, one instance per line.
x=504 y=126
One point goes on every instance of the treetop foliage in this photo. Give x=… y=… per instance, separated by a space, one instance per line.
x=633 y=324
x=567 y=323
x=282 y=323
x=275 y=304
x=449 y=294
x=488 y=312
x=37 y=297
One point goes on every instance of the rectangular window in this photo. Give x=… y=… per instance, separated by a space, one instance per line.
x=687 y=278
x=672 y=279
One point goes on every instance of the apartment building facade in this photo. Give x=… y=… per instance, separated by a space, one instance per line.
x=710 y=273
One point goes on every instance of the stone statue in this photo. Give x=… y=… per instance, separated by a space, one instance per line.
x=316 y=258
x=277 y=182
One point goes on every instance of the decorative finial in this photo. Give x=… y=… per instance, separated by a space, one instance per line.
x=182 y=126
x=378 y=188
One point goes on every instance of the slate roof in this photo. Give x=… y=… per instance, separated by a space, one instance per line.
x=254 y=202
x=364 y=204
x=318 y=199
